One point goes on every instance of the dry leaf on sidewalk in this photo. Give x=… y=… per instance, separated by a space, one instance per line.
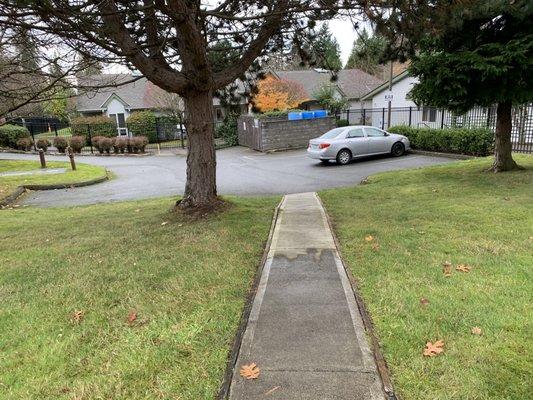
x=463 y=268
x=447 y=269
x=432 y=349
x=476 y=330
x=250 y=371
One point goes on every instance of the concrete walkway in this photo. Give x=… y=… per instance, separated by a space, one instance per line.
x=305 y=332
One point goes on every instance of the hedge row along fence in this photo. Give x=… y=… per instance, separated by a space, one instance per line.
x=103 y=144
x=474 y=142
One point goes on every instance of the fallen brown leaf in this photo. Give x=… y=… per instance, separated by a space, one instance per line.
x=77 y=316
x=164 y=223
x=447 y=269
x=424 y=301
x=433 y=349
x=132 y=317
x=476 y=330
x=463 y=268
x=250 y=371
x=138 y=210
x=375 y=246
x=369 y=238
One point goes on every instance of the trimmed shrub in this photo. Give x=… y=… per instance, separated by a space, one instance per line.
x=77 y=143
x=43 y=144
x=342 y=122
x=60 y=143
x=228 y=130
x=105 y=145
x=25 y=143
x=99 y=125
x=10 y=134
x=475 y=142
x=120 y=145
x=143 y=123
x=138 y=143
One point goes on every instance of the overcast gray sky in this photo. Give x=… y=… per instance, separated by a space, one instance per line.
x=342 y=29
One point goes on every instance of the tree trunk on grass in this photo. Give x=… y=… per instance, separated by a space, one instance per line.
x=503 y=159
x=201 y=187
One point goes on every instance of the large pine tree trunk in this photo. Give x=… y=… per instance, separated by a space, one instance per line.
x=201 y=187
x=503 y=159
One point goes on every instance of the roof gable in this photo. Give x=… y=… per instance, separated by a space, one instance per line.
x=401 y=76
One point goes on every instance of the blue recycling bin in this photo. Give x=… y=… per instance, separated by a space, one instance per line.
x=295 y=115
x=320 y=113
x=308 y=115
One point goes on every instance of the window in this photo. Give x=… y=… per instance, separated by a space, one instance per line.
x=121 y=121
x=429 y=114
x=332 y=133
x=374 y=132
x=355 y=133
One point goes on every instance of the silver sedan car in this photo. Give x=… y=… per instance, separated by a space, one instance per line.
x=344 y=144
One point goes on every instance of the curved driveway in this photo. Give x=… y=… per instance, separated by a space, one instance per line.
x=240 y=171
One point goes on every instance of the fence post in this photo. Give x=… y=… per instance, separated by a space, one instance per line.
x=383 y=119
x=180 y=120
x=41 y=158
x=348 y=116
x=442 y=118
x=410 y=114
x=488 y=116
x=71 y=156
x=90 y=137
x=55 y=129
x=157 y=130
x=364 y=116
x=33 y=138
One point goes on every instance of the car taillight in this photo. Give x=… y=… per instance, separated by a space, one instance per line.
x=323 y=145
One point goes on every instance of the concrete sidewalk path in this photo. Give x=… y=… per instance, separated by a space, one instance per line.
x=304 y=331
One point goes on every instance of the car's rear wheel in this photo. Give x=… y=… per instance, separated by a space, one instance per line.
x=344 y=156
x=397 y=149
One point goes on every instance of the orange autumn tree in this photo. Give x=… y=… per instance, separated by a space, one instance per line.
x=278 y=94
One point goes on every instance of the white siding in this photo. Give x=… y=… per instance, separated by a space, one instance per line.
x=116 y=107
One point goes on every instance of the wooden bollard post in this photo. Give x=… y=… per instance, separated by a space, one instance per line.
x=41 y=158
x=71 y=156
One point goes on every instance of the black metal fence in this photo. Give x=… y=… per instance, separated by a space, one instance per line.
x=430 y=117
x=161 y=134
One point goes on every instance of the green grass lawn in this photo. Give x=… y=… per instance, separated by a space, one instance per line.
x=421 y=219
x=8 y=184
x=185 y=280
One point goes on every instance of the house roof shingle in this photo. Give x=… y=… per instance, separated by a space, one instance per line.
x=354 y=83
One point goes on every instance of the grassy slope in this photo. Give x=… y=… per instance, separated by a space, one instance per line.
x=83 y=172
x=185 y=280
x=422 y=218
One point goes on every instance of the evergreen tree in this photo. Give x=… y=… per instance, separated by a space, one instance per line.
x=476 y=53
x=87 y=66
x=326 y=50
x=367 y=53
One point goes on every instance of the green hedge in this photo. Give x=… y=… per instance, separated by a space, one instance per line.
x=143 y=123
x=475 y=142
x=99 y=125
x=228 y=130
x=10 y=134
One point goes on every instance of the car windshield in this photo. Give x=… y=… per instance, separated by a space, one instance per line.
x=332 y=133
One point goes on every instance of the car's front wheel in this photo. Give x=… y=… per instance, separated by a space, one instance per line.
x=397 y=149
x=344 y=156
